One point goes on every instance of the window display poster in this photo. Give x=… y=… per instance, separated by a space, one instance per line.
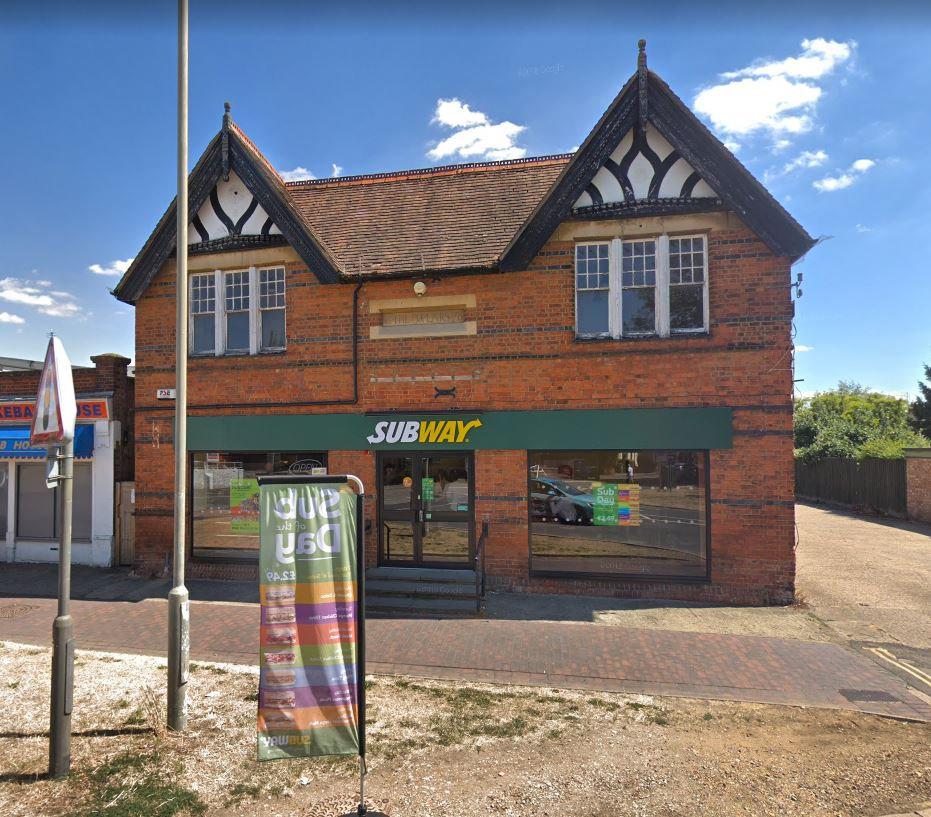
x=616 y=504
x=244 y=505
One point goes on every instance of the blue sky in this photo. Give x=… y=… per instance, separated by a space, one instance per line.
x=827 y=104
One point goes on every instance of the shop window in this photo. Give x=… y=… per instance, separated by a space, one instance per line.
x=643 y=287
x=225 y=497
x=623 y=513
x=237 y=312
x=38 y=513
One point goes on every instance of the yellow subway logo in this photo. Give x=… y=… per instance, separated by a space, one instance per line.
x=422 y=431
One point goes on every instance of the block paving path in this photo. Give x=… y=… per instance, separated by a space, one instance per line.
x=537 y=653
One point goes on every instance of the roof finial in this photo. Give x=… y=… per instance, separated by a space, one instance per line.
x=642 y=81
x=225 y=141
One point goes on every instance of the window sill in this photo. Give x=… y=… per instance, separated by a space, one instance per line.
x=260 y=353
x=640 y=338
x=619 y=577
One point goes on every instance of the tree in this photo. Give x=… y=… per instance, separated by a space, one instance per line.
x=852 y=421
x=921 y=407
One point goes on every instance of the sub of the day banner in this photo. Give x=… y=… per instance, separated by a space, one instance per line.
x=311 y=682
x=616 y=504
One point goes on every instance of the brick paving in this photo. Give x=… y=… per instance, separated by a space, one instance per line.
x=544 y=653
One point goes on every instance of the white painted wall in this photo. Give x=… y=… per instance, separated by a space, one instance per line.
x=99 y=552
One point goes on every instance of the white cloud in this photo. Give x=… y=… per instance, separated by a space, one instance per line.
x=299 y=174
x=475 y=136
x=115 y=268
x=775 y=97
x=843 y=180
x=455 y=114
x=9 y=317
x=807 y=158
x=818 y=57
x=37 y=294
x=801 y=347
x=862 y=228
x=732 y=145
x=337 y=170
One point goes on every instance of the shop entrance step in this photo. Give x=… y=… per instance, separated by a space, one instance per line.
x=420 y=592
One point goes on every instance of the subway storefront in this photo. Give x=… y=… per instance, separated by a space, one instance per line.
x=580 y=493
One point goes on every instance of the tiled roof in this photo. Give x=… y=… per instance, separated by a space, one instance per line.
x=456 y=217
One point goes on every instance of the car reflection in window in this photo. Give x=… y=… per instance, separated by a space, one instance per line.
x=554 y=499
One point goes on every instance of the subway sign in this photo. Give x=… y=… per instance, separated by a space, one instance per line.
x=439 y=431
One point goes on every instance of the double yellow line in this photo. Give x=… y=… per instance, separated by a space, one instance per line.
x=902 y=664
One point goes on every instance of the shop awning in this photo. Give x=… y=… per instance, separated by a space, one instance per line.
x=14 y=443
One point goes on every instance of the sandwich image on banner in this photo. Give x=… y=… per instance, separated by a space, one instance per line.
x=308 y=587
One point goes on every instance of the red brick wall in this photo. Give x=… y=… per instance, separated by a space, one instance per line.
x=918 y=488
x=108 y=376
x=525 y=356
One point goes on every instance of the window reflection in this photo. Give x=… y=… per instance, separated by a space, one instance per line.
x=225 y=496
x=619 y=512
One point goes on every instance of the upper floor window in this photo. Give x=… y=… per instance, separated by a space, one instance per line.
x=271 y=307
x=237 y=322
x=656 y=286
x=237 y=311
x=687 y=284
x=203 y=314
x=591 y=289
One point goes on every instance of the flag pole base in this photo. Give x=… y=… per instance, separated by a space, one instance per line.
x=362 y=810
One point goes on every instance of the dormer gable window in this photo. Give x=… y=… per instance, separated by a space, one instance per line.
x=641 y=287
x=247 y=318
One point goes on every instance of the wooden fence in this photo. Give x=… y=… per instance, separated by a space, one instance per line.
x=873 y=485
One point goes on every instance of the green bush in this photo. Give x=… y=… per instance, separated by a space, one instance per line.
x=852 y=421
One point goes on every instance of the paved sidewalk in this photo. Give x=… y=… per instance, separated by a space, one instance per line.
x=568 y=654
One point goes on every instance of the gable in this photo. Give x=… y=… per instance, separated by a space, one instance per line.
x=643 y=167
x=235 y=199
x=231 y=209
x=650 y=155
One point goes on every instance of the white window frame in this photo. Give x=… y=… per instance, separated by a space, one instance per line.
x=190 y=316
x=219 y=313
x=662 y=287
x=611 y=288
x=260 y=309
x=704 y=328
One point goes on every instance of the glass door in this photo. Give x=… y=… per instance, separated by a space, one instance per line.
x=397 y=506
x=446 y=509
x=425 y=507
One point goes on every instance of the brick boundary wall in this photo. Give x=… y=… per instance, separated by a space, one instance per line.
x=918 y=483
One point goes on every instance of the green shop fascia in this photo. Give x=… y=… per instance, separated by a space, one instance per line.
x=595 y=429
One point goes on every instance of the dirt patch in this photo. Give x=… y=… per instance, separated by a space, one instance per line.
x=438 y=748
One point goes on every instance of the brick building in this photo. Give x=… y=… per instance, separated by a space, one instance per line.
x=590 y=352
x=103 y=450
